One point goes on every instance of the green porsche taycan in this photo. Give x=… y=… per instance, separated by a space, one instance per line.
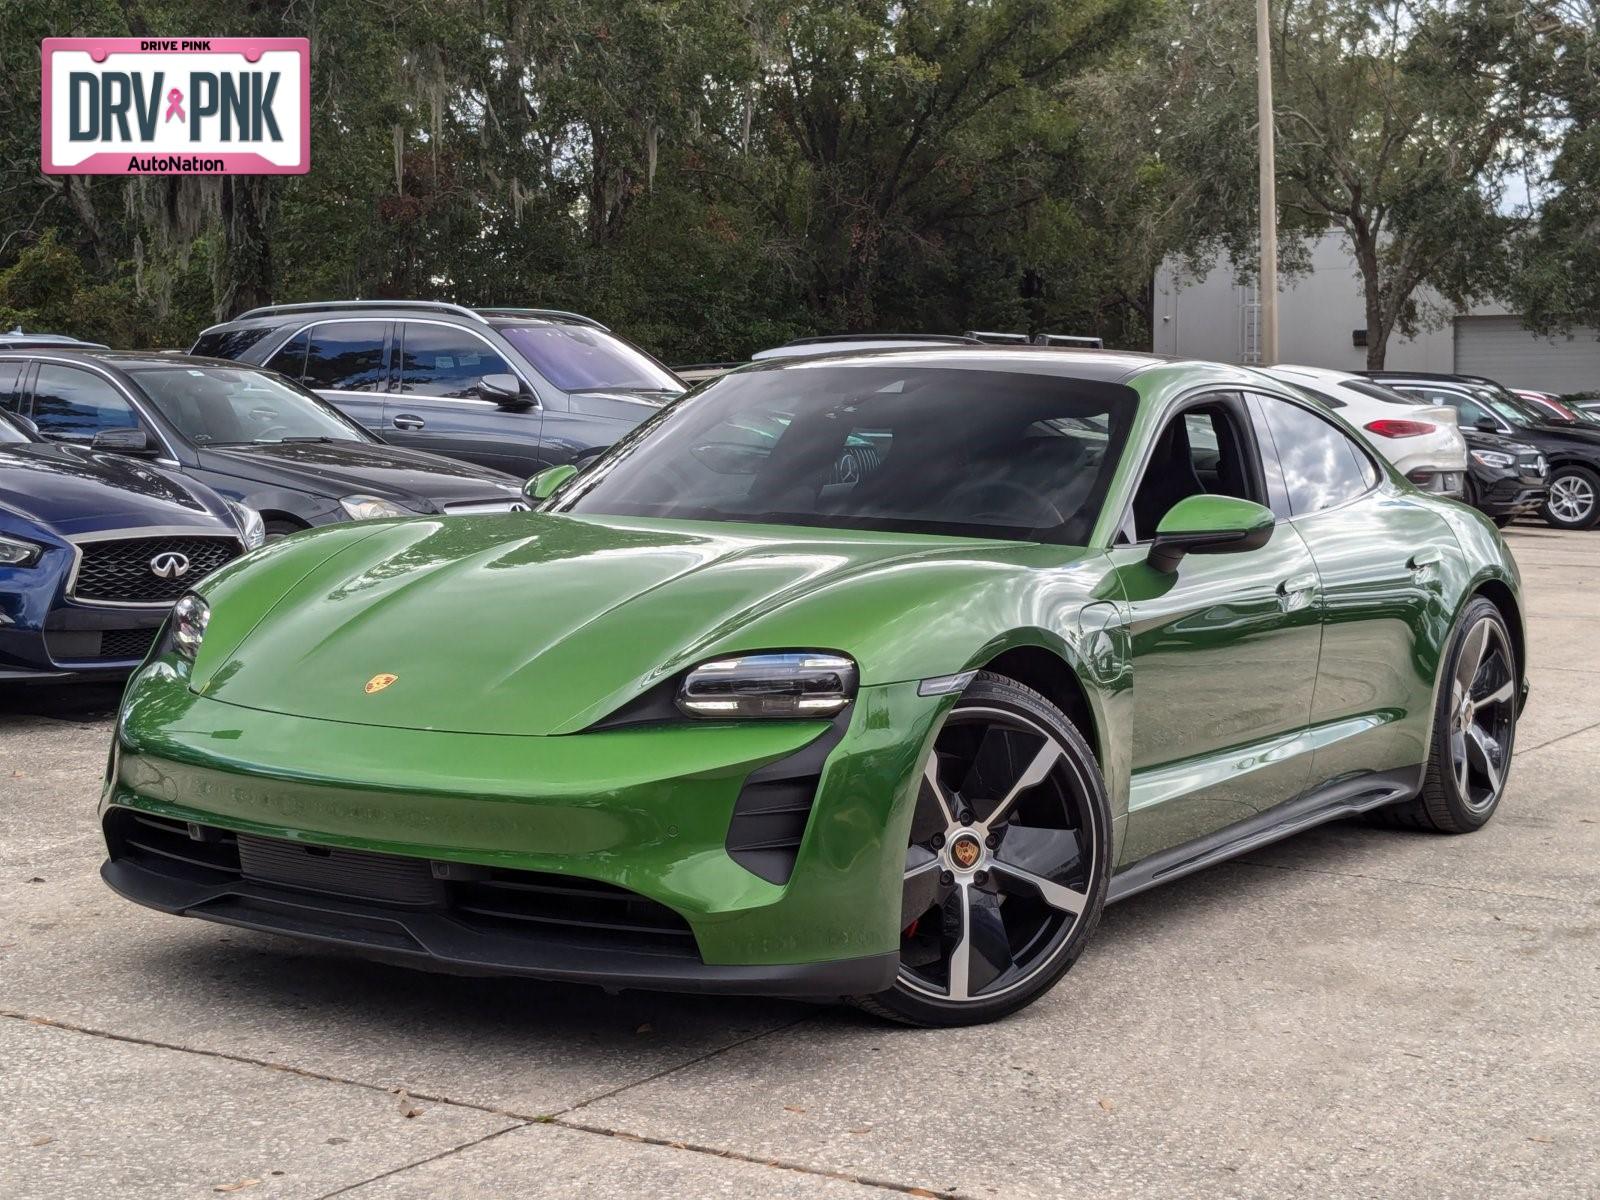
x=872 y=676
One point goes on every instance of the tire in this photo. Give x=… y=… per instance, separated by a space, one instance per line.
x=1008 y=861
x=1574 y=498
x=1502 y=522
x=1444 y=805
x=282 y=529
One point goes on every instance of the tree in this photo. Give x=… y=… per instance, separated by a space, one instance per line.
x=1400 y=122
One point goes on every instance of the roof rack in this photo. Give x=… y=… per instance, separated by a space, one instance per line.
x=561 y=313
x=941 y=339
x=1070 y=339
x=998 y=339
x=272 y=310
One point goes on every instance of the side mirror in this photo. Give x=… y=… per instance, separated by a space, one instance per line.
x=123 y=441
x=1485 y=425
x=548 y=482
x=504 y=389
x=1209 y=525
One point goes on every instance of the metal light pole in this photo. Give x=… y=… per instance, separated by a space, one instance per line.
x=1267 y=290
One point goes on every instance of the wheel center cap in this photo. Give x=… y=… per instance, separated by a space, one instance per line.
x=965 y=851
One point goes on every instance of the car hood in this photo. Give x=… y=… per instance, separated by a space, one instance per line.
x=544 y=624
x=367 y=468
x=74 y=490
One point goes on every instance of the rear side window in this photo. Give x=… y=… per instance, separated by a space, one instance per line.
x=346 y=356
x=1321 y=466
x=10 y=396
x=74 y=405
x=228 y=343
x=436 y=360
x=290 y=358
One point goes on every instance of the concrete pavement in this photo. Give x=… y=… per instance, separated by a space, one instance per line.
x=1354 y=1012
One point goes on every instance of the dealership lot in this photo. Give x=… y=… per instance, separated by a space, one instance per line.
x=1352 y=1012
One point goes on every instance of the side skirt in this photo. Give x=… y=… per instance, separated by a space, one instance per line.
x=1341 y=798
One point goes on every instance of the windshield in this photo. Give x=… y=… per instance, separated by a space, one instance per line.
x=919 y=449
x=1509 y=408
x=580 y=358
x=223 y=406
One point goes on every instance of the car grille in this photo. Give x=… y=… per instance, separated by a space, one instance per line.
x=121 y=571
x=113 y=645
x=533 y=904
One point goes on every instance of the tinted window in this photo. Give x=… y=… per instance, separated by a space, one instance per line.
x=215 y=406
x=345 y=356
x=1321 y=466
x=10 y=372
x=913 y=448
x=228 y=343
x=437 y=360
x=290 y=358
x=75 y=405
x=579 y=358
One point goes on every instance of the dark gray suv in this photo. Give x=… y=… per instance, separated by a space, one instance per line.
x=517 y=389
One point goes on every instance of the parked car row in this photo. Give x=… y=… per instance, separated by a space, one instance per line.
x=294 y=416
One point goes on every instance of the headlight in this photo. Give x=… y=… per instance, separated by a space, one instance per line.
x=1493 y=458
x=800 y=683
x=14 y=552
x=369 y=508
x=188 y=625
x=251 y=527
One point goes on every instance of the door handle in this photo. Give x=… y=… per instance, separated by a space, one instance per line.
x=1423 y=558
x=1296 y=591
x=408 y=421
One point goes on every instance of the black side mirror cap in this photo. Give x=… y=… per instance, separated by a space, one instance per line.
x=124 y=441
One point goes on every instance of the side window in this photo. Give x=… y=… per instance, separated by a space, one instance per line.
x=290 y=358
x=1200 y=450
x=73 y=405
x=439 y=361
x=1321 y=468
x=10 y=393
x=346 y=356
x=228 y=343
x=1470 y=413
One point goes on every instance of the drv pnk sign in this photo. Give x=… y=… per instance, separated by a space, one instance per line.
x=176 y=106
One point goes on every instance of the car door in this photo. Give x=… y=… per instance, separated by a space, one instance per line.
x=1224 y=648
x=1380 y=553
x=344 y=362
x=437 y=404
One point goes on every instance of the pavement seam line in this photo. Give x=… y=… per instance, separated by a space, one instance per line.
x=1559 y=738
x=778 y=1164
x=683 y=1066
x=1446 y=887
x=422 y=1162
x=267 y=1064
x=519 y=1120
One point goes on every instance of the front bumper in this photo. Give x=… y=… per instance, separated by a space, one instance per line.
x=46 y=638
x=646 y=809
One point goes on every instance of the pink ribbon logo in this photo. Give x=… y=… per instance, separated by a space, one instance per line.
x=175 y=105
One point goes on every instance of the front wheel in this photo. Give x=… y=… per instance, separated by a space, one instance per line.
x=1008 y=861
x=1574 y=498
x=1474 y=729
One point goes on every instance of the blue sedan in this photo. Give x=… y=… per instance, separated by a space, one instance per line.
x=94 y=549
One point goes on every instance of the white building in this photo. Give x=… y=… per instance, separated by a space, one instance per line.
x=1322 y=323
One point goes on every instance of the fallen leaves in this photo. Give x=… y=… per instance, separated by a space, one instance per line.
x=1108 y=1105
x=42 y=1140
x=408 y=1110
x=236 y=1187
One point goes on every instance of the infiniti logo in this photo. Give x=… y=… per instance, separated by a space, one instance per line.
x=170 y=565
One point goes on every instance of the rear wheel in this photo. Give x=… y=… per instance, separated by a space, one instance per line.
x=1008 y=861
x=1574 y=498
x=1474 y=729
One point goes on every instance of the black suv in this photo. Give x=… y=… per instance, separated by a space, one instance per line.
x=1483 y=406
x=249 y=434
x=517 y=389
